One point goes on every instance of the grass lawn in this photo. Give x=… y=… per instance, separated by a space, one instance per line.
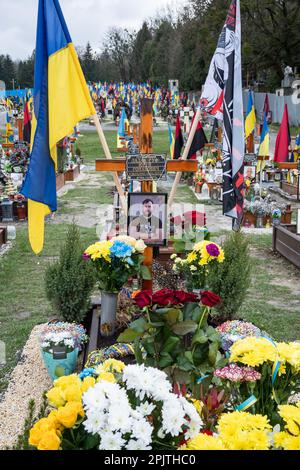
x=92 y=149
x=294 y=130
x=23 y=302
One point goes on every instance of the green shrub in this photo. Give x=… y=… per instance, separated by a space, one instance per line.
x=70 y=281
x=231 y=279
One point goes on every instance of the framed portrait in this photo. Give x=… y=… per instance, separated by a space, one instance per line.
x=147 y=217
x=250 y=172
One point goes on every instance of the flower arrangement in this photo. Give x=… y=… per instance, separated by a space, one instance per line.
x=173 y=334
x=278 y=365
x=68 y=335
x=116 y=407
x=195 y=267
x=116 y=261
x=236 y=431
x=276 y=213
x=232 y=331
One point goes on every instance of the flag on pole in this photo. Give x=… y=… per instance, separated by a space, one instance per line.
x=250 y=116
x=171 y=141
x=264 y=148
x=121 y=141
x=178 y=139
x=222 y=97
x=199 y=141
x=283 y=140
x=267 y=108
x=61 y=100
x=9 y=129
x=27 y=123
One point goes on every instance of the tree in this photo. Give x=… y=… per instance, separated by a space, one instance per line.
x=138 y=65
x=25 y=72
x=118 y=44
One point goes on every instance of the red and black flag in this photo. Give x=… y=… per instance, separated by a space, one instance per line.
x=178 y=145
x=27 y=124
x=199 y=141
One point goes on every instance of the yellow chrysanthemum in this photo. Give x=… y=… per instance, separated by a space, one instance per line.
x=106 y=377
x=285 y=441
x=243 y=431
x=204 y=442
x=290 y=353
x=112 y=365
x=100 y=250
x=192 y=256
x=291 y=415
x=253 y=351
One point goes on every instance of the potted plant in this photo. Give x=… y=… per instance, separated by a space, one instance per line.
x=60 y=345
x=115 y=261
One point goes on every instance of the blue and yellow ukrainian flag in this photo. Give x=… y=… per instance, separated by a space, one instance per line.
x=121 y=141
x=171 y=141
x=297 y=148
x=264 y=148
x=250 y=116
x=61 y=100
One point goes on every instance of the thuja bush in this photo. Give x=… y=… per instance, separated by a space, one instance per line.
x=231 y=279
x=70 y=281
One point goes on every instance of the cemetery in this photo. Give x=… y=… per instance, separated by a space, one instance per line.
x=149 y=256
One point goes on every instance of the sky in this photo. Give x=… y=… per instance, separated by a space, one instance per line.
x=86 y=19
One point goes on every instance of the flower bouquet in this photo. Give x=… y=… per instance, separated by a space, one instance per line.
x=262 y=375
x=116 y=407
x=195 y=267
x=115 y=261
x=60 y=345
x=173 y=334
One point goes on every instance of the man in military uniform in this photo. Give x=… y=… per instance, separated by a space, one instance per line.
x=146 y=226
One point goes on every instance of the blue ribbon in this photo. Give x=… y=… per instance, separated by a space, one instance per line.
x=247 y=404
x=199 y=381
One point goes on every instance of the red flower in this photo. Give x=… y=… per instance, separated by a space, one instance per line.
x=207 y=432
x=143 y=298
x=209 y=299
x=182 y=297
x=164 y=297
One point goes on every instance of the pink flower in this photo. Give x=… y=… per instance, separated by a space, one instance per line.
x=234 y=373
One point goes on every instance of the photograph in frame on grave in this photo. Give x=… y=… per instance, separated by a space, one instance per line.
x=147 y=217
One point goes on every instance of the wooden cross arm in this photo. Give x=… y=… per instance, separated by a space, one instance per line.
x=119 y=165
x=287 y=165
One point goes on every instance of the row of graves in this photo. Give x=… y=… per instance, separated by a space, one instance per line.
x=14 y=162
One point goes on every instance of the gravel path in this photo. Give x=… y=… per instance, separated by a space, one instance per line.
x=29 y=380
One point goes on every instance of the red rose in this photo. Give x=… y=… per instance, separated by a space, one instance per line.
x=164 y=297
x=209 y=299
x=182 y=297
x=207 y=432
x=143 y=298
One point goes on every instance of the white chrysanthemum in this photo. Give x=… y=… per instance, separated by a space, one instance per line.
x=111 y=441
x=146 y=408
x=141 y=429
x=173 y=417
x=94 y=423
x=137 y=445
x=119 y=420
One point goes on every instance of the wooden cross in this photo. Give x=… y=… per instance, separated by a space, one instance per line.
x=118 y=166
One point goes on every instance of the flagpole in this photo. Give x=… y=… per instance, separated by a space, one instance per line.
x=109 y=157
x=185 y=155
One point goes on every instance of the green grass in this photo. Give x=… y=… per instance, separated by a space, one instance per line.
x=294 y=129
x=92 y=149
x=22 y=290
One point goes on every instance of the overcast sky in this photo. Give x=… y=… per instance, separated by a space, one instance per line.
x=86 y=19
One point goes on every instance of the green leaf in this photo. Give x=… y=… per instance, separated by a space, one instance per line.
x=170 y=344
x=197 y=314
x=200 y=338
x=148 y=345
x=184 y=327
x=184 y=364
x=166 y=360
x=140 y=325
x=91 y=442
x=212 y=353
x=173 y=316
x=181 y=377
x=146 y=273
x=128 y=336
x=138 y=351
x=188 y=310
x=189 y=356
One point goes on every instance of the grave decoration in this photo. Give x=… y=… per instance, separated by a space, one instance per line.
x=60 y=344
x=115 y=261
x=264 y=210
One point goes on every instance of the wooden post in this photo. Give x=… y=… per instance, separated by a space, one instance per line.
x=146 y=144
x=20 y=122
x=109 y=157
x=250 y=143
x=185 y=155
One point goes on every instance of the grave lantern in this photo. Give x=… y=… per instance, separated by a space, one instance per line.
x=7 y=210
